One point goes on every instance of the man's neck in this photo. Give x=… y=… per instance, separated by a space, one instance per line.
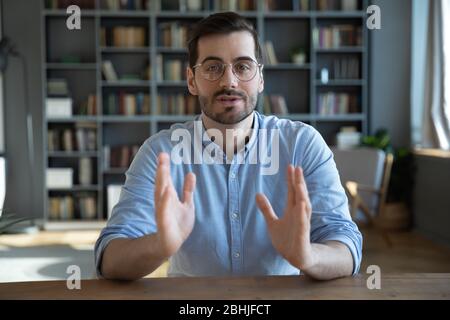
x=241 y=132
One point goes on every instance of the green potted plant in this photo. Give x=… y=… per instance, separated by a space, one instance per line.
x=298 y=55
x=396 y=212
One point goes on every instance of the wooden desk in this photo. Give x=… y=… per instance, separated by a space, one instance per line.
x=393 y=286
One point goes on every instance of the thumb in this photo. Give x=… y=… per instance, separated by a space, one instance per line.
x=266 y=208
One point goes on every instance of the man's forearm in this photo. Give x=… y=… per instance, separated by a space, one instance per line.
x=131 y=259
x=333 y=260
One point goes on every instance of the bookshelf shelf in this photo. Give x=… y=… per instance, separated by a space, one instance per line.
x=76 y=188
x=182 y=15
x=63 y=13
x=71 y=66
x=333 y=83
x=287 y=14
x=73 y=119
x=340 y=50
x=297 y=116
x=168 y=83
x=125 y=83
x=173 y=118
x=66 y=154
x=123 y=13
x=124 y=50
x=291 y=26
x=171 y=50
x=337 y=14
x=119 y=118
x=340 y=117
x=287 y=66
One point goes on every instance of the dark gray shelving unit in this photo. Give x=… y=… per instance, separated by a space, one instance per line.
x=286 y=27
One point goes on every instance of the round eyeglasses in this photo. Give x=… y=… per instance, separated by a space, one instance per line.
x=244 y=70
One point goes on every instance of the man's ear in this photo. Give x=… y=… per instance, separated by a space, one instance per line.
x=261 y=83
x=192 y=86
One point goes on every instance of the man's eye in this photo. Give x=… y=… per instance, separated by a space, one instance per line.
x=242 y=67
x=213 y=68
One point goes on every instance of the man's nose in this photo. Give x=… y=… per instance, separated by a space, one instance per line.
x=229 y=80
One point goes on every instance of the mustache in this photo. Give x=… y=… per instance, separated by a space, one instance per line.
x=230 y=92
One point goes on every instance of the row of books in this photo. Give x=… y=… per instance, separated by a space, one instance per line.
x=275 y=104
x=119 y=156
x=331 y=5
x=123 y=36
x=180 y=5
x=302 y=5
x=88 y=107
x=332 y=103
x=196 y=5
x=171 y=69
x=128 y=104
x=336 y=36
x=173 y=34
x=63 y=177
x=125 y=4
x=64 y=4
x=177 y=104
x=235 y=5
x=346 y=68
x=110 y=73
x=83 y=137
x=82 y=206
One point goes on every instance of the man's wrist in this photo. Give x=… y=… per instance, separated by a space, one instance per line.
x=310 y=259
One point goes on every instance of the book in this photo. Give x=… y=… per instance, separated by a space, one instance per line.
x=271 y=57
x=59 y=178
x=57 y=87
x=85 y=171
x=58 y=107
x=108 y=71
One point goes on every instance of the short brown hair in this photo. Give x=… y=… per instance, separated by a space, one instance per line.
x=220 y=23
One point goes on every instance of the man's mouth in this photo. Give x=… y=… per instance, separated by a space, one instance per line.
x=228 y=100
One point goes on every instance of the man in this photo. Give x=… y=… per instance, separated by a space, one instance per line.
x=231 y=217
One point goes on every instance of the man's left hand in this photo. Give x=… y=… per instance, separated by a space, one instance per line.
x=290 y=233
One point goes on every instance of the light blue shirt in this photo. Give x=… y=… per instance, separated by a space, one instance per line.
x=230 y=235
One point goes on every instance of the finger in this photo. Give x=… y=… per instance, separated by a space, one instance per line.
x=188 y=189
x=162 y=175
x=290 y=184
x=161 y=212
x=301 y=191
x=305 y=218
x=266 y=208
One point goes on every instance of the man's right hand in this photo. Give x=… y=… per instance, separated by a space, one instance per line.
x=174 y=218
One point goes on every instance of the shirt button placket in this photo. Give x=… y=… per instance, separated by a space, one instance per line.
x=236 y=236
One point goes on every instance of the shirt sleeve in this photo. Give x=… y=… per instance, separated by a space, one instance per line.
x=330 y=219
x=133 y=216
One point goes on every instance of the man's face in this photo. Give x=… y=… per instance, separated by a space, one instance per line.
x=227 y=100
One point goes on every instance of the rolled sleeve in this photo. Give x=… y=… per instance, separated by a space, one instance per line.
x=133 y=216
x=330 y=219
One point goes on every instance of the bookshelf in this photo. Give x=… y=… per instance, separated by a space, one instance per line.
x=324 y=62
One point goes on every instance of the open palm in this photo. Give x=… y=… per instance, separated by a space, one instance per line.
x=290 y=234
x=174 y=218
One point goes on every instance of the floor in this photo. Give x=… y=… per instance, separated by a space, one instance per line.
x=46 y=255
